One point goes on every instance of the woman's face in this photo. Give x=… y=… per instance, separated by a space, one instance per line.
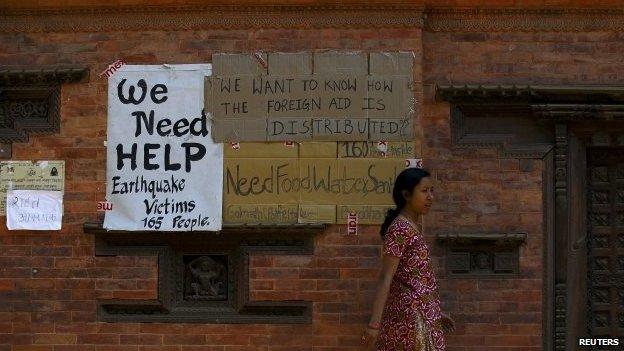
x=422 y=196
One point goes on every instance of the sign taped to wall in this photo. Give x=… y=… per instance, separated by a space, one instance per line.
x=28 y=175
x=34 y=209
x=163 y=170
x=312 y=96
x=311 y=182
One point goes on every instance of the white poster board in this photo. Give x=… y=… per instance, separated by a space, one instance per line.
x=163 y=170
x=34 y=209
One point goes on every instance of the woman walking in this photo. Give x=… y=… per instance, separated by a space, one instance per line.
x=406 y=312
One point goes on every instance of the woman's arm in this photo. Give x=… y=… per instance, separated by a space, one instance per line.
x=389 y=266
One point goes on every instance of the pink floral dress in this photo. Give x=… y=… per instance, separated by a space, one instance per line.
x=411 y=316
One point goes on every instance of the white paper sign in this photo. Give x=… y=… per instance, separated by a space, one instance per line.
x=34 y=209
x=163 y=170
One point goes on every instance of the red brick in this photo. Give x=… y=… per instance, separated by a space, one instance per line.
x=150 y=339
x=107 y=339
x=55 y=339
x=341 y=275
x=184 y=340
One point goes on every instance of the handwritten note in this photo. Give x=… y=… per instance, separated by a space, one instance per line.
x=321 y=96
x=34 y=209
x=27 y=175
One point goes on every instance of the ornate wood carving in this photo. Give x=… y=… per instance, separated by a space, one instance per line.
x=531 y=94
x=362 y=15
x=42 y=76
x=132 y=18
x=517 y=119
x=560 y=316
x=30 y=103
x=561 y=233
x=205 y=277
x=523 y=20
x=482 y=255
x=549 y=300
x=605 y=240
x=500 y=133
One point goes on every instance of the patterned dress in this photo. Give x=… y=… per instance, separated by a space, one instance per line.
x=411 y=316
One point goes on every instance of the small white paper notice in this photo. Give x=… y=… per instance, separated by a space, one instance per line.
x=34 y=209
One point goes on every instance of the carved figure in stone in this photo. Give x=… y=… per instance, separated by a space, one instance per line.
x=206 y=279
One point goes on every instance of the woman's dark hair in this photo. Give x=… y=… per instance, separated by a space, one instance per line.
x=406 y=180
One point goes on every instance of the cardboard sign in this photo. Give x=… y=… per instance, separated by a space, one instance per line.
x=352 y=222
x=312 y=182
x=34 y=209
x=163 y=170
x=345 y=96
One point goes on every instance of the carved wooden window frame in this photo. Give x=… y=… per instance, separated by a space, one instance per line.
x=463 y=249
x=237 y=241
x=30 y=103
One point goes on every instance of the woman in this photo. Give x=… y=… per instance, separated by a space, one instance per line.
x=406 y=313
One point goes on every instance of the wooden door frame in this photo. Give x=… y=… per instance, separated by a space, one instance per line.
x=566 y=199
x=565 y=121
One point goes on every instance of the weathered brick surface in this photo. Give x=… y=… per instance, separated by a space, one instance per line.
x=49 y=281
x=478 y=191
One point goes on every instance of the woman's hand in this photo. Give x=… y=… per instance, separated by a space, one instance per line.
x=368 y=338
x=448 y=324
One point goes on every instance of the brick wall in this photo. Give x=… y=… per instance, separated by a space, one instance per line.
x=478 y=191
x=49 y=281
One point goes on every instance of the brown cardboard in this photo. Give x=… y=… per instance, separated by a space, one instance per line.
x=348 y=181
x=314 y=149
x=342 y=95
x=232 y=97
x=339 y=128
x=260 y=180
x=290 y=129
x=369 y=149
x=288 y=96
x=367 y=214
x=356 y=149
x=387 y=96
x=317 y=213
x=238 y=129
x=260 y=213
x=262 y=150
x=316 y=176
x=224 y=64
x=321 y=104
x=400 y=149
x=313 y=183
x=371 y=181
x=390 y=129
x=295 y=63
